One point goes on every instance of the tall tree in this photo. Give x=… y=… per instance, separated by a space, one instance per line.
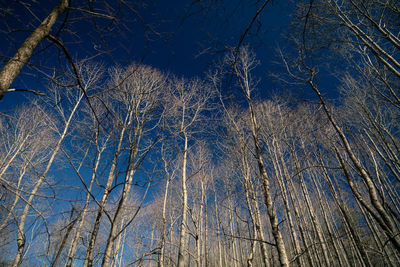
x=243 y=62
x=188 y=101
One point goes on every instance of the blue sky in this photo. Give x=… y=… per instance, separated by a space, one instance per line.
x=185 y=31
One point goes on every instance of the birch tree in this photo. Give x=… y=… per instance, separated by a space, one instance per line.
x=243 y=62
x=136 y=116
x=66 y=115
x=141 y=97
x=188 y=99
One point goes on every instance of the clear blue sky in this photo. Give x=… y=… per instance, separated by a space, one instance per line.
x=185 y=31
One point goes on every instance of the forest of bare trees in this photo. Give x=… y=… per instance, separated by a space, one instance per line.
x=137 y=166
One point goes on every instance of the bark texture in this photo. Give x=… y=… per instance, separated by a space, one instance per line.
x=15 y=64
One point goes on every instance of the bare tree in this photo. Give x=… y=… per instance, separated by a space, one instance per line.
x=140 y=95
x=188 y=102
x=66 y=116
x=243 y=63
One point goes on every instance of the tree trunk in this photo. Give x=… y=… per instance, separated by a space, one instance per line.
x=164 y=217
x=280 y=245
x=205 y=253
x=242 y=71
x=11 y=209
x=15 y=64
x=260 y=233
x=88 y=262
x=21 y=225
x=65 y=237
x=74 y=245
x=338 y=199
x=282 y=178
x=377 y=210
x=118 y=214
x=218 y=227
x=182 y=254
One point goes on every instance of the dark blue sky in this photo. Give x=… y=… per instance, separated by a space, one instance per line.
x=184 y=32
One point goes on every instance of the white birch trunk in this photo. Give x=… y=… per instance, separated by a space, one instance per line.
x=21 y=224
x=182 y=254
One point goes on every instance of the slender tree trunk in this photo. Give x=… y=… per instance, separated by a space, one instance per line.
x=253 y=244
x=282 y=178
x=15 y=64
x=15 y=153
x=316 y=224
x=253 y=234
x=171 y=242
x=11 y=209
x=88 y=262
x=354 y=237
x=74 y=245
x=391 y=256
x=198 y=246
x=235 y=256
x=383 y=218
x=260 y=233
x=218 y=228
x=164 y=218
x=201 y=224
x=386 y=225
x=377 y=241
x=276 y=232
x=21 y=225
x=245 y=169
x=118 y=214
x=117 y=245
x=182 y=254
x=65 y=237
x=299 y=215
x=325 y=217
x=121 y=253
x=205 y=251
x=242 y=64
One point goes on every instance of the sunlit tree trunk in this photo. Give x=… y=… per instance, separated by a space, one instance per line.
x=75 y=240
x=316 y=224
x=164 y=213
x=218 y=227
x=308 y=242
x=244 y=63
x=232 y=232
x=21 y=224
x=253 y=233
x=282 y=175
x=205 y=247
x=107 y=190
x=324 y=204
x=70 y=226
x=182 y=255
x=11 y=70
x=377 y=209
x=260 y=232
x=16 y=198
x=187 y=101
x=120 y=208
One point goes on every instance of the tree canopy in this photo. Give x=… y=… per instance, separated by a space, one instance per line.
x=207 y=133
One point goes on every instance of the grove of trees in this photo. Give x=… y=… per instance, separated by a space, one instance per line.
x=136 y=166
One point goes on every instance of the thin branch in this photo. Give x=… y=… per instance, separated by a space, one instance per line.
x=25 y=90
x=93 y=13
